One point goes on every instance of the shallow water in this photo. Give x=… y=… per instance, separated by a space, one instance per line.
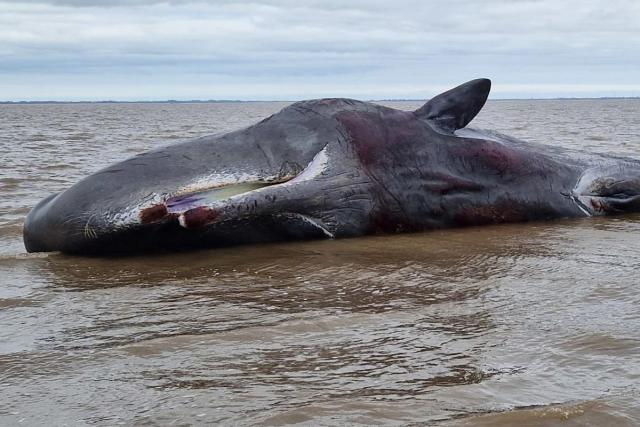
x=527 y=324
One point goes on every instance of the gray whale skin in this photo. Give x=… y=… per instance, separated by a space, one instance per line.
x=331 y=168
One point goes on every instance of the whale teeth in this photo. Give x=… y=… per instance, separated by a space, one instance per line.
x=198 y=217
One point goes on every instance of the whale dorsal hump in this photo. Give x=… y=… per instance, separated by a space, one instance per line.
x=455 y=108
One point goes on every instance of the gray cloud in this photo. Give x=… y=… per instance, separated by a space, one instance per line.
x=274 y=49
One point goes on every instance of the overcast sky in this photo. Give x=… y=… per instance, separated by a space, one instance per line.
x=295 y=49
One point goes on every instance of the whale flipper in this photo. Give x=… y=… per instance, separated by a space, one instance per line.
x=609 y=189
x=455 y=108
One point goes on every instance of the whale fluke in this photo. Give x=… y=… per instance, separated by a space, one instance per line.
x=455 y=108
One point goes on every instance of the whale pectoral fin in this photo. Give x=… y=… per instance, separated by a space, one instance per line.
x=619 y=196
x=625 y=203
x=609 y=191
x=455 y=108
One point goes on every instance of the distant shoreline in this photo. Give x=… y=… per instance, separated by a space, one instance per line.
x=229 y=101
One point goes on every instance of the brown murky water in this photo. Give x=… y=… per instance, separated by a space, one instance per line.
x=528 y=324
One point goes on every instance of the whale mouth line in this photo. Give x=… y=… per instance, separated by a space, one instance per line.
x=174 y=206
x=184 y=202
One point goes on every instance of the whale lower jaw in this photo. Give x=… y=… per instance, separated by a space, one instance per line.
x=195 y=208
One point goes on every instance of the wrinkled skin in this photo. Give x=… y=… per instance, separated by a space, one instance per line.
x=330 y=168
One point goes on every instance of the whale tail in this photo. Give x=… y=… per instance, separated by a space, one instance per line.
x=455 y=108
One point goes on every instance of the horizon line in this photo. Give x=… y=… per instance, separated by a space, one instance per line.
x=222 y=101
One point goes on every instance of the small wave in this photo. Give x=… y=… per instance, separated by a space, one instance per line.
x=11 y=228
x=24 y=256
x=596 y=138
x=56 y=166
x=10 y=180
x=10 y=231
x=81 y=136
x=10 y=183
x=16 y=302
x=586 y=413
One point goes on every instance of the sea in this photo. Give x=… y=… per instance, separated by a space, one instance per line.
x=534 y=324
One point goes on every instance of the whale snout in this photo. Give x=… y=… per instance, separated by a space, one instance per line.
x=40 y=231
x=57 y=224
x=69 y=221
